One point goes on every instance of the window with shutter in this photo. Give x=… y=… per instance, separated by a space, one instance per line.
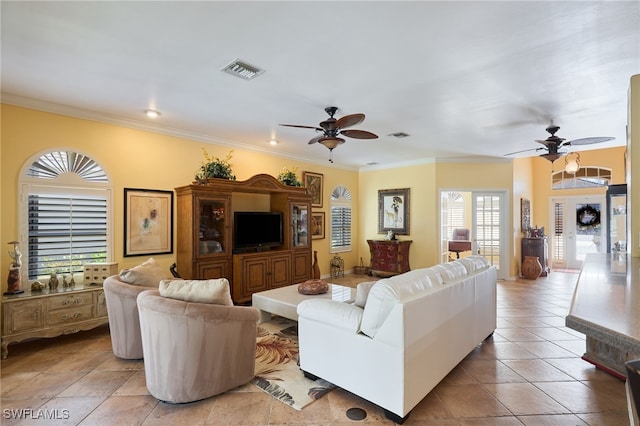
x=340 y=220
x=65 y=218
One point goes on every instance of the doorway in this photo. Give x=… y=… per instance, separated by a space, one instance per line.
x=578 y=229
x=485 y=214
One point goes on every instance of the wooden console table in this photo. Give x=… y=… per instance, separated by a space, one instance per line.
x=51 y=314
x=389 y=257
x=606 y=308
x=537 y=247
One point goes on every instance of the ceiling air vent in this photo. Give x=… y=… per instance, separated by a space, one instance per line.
x=242 y=70
x=399 y=135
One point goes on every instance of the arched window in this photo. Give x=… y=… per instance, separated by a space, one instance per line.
x=64 y=214
x=340 y=220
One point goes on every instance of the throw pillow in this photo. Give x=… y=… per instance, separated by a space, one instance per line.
x=362 y=292
x=148 y=273
x=215 y=291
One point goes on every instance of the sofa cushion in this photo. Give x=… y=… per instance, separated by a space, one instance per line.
x=362 y=293
x=450 y=271
x=474 y=263
x=214 y=291
x=148 y=274
x=387 y=292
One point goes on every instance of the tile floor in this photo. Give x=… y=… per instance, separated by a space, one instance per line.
x=528 y=373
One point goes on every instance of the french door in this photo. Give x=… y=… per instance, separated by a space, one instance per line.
x=578 y=228
x=489 y=223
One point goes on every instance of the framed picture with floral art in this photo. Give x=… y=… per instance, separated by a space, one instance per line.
x=148 y=222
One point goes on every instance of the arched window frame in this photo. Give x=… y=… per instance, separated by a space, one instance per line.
x=70 y=174
x=341 y=220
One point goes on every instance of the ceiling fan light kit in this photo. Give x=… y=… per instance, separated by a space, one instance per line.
x=332 y=128
x=572 y=163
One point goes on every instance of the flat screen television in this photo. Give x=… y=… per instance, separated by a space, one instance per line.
x=256 y=231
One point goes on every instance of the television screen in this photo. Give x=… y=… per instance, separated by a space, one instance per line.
x=256 y=230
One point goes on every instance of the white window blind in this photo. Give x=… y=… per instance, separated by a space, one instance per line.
x=340 y=220
x=65 y=232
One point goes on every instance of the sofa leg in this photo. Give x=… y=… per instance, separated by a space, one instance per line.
x=395 y=418
x=490 y=334
x=310 y=376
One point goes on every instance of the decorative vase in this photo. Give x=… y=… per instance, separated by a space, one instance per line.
x=531 y=267
x=316 y=268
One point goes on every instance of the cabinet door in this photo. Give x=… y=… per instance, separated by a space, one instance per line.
x=301 y=266
x=300 y=224
x=214 y=269
x=253 y=275
x=280 y=271
x=213 y=227
x=23 y=316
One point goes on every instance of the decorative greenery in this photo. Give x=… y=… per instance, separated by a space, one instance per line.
x=215 y=167
x=289 y=177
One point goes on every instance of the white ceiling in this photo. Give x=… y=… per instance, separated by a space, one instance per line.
x=463 y=79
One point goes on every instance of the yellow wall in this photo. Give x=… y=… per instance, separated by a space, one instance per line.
x=423 y=219
x=522 y=188
x=137 y=159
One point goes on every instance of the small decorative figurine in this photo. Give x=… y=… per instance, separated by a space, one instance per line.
x=14 y=279
x=53 y=282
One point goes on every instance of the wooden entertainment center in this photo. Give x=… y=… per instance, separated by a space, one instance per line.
x=205 y=234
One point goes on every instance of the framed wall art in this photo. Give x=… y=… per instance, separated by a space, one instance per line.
x=317 y=225
x=148 y=222
x=525 y=215
x=393 y=211
x=313 y=182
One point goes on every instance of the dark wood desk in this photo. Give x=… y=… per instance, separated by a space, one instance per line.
x=389 y=257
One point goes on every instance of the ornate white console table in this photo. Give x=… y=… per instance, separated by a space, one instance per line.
x=606 y=308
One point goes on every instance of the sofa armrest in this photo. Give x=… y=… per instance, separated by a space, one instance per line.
x=330 y=312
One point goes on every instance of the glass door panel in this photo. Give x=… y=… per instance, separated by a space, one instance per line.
x=300 y=215
x=212 y=218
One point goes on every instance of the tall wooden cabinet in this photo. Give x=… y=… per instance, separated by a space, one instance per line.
x=205 y=235
x=389 y=257
x=536 y=247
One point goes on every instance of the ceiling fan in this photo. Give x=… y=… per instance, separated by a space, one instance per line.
x=553 y=143
x=333 y=128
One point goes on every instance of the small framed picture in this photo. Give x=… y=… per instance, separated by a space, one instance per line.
x=313 y=183
x=148 y=222
x=317 y=225
x=393 y=211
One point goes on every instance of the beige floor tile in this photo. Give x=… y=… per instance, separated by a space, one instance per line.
x=545 y=349
x=80 y=361
x=537 y=370
x=580 y=398
x=10 y=381
x=66 y=411
x=552 y=333
x=316 y=413
x=491 y=371
x=97 y=383
x=605 y=419
x=491 y=421
x=430 y=408
x=525 y=399
x=135 y=385
x=519 y=335
x=121 y=410
x=341 y=400
x=580 y=369
x=553 y=420
x=241 y=408
x=14 y=411
x=113 y=363
x=193 y=413
x=470 y=401
x=45 y=384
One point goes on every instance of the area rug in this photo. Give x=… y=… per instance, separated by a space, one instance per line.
x=277 y=366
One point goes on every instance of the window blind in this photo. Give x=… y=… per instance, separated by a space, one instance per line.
x=340 y=227
x=65 y=232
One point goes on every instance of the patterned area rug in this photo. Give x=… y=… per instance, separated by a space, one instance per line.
x=277 y=370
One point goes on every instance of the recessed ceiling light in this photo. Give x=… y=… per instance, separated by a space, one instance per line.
x=242 y=70
x=273 y=142
x=152 y=113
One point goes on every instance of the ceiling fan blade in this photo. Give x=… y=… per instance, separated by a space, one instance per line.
x=301 y=127
x=349 y=120
x=359 y=134
x=316 y=139
x=524 y=150
x=589 y=141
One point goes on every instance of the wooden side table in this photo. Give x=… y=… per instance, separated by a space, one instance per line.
x=389 y=257
x=537 y=247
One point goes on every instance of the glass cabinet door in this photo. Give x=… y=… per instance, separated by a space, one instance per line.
x=300 y=214
x=212 y=232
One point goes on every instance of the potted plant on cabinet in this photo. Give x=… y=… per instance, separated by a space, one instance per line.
x=215 y=167
x=288 y=177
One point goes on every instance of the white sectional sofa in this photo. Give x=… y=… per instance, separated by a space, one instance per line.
x=402 y=335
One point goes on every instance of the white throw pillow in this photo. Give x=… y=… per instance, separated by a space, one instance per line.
x=215 y=291
x=362 y=292
x=148 y=274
